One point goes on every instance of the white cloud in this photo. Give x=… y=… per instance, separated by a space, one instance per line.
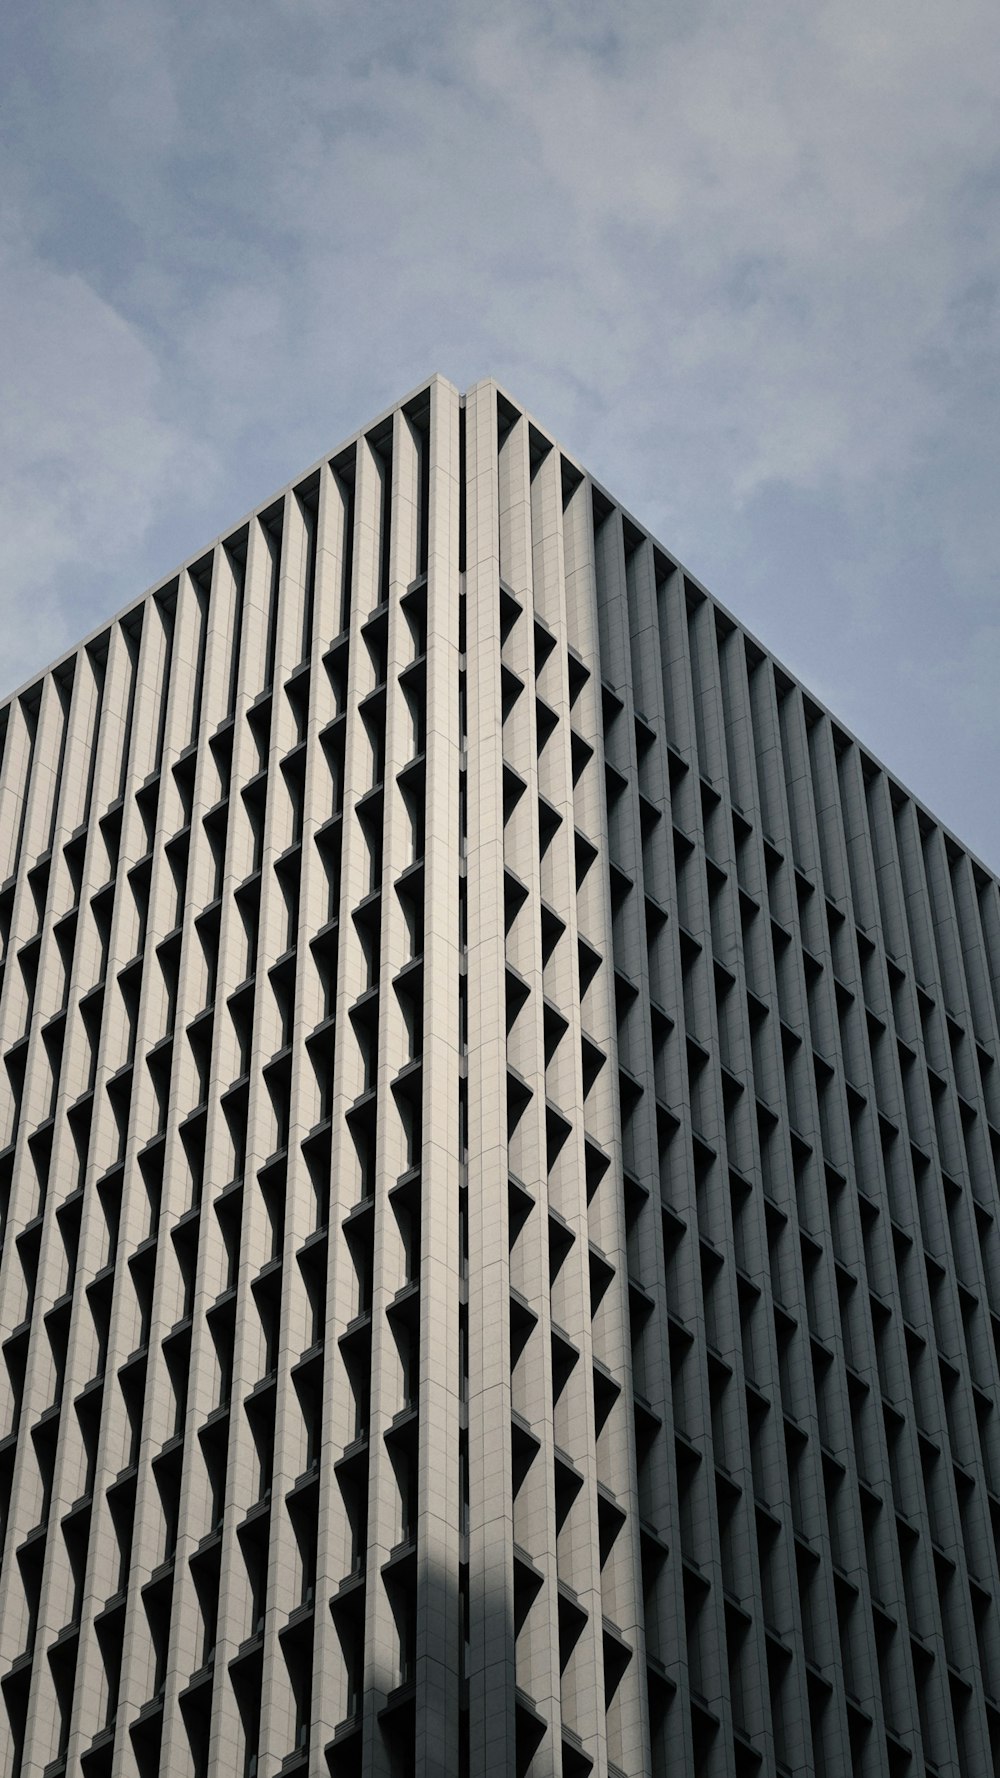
x=742 y=260
x=790 y=179
x=85 y=455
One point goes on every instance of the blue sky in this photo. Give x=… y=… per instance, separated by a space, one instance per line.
x=742 y=261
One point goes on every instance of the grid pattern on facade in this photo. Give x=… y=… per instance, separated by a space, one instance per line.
x=501 y=1117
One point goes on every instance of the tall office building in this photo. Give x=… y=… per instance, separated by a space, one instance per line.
x=500 y=1118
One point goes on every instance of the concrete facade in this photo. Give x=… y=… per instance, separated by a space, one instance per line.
x=499 y=1128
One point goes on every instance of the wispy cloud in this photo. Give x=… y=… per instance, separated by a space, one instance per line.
x=742 y=260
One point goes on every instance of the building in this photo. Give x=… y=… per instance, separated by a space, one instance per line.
x=500 y=1117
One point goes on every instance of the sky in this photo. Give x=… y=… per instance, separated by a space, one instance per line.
x=741 y=261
